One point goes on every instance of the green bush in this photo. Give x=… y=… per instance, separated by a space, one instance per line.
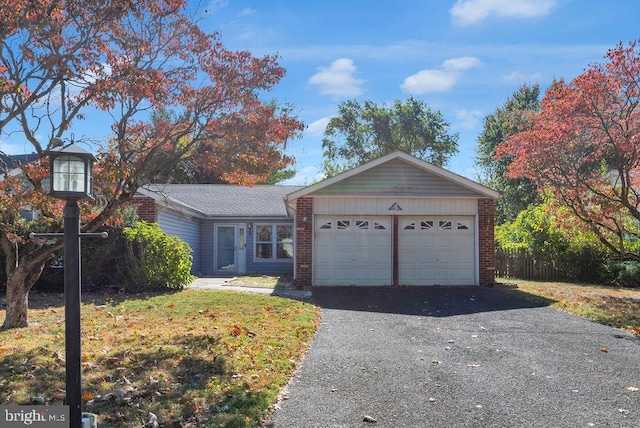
x=623 y=273
x=156 y=260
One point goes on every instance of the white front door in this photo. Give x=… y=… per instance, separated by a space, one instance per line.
x=230 y=245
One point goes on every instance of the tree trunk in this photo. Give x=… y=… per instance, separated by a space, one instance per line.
x=21 y=279
x=18 y=286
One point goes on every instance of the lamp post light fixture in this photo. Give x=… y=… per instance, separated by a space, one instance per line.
x=71 y=177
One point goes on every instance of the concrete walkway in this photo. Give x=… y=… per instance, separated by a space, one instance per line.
x=221 y=283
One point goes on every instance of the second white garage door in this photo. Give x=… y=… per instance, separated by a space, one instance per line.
x=436 y=250
x=352 y=250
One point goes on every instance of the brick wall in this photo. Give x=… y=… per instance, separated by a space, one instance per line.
x=304 y=242
x=486 y=245
x=146 y=208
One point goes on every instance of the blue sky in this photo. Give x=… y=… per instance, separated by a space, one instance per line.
x=462 y=57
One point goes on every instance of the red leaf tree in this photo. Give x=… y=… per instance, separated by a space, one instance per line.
x=62 y=61
x=584 y=146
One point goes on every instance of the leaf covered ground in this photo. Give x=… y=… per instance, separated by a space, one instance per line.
x=614 y=306
x=192 y=358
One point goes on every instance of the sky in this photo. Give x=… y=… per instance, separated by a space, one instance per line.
x=464 y=58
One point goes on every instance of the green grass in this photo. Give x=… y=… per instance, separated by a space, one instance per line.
x=203 y=357
x=614 y=306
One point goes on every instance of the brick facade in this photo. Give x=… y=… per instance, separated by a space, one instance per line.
x=146 y=208
x=304 y=241
x=486 y=245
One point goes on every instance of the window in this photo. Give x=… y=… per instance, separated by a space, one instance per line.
x=273 y=242
x=444 y=225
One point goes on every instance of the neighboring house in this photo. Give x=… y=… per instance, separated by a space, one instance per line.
x=396 y=220
x=9 y=164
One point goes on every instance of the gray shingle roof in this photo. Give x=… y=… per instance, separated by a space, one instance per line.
x=223 y=200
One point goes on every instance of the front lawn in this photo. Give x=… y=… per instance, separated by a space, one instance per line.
x=617 y=307
x=192 y=358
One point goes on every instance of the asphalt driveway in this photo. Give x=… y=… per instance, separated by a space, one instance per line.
x=460 y=357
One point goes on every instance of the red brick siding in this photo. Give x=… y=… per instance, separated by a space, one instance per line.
x=146 y=208
x=304 y=242
x=486 y=245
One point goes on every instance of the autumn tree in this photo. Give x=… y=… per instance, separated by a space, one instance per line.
x=63 y=61
x=584 y=146
x=516 y=193
x=362 y=132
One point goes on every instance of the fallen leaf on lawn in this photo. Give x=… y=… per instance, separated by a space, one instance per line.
x=170 y=306
x=603 y=350
x=367 y=418
x=58 y=356
x=153 y=421
x=631 y=389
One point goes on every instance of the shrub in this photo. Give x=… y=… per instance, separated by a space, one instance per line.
x=623 y=273
x=156 y=260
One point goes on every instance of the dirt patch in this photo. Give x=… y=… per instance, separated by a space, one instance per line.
x=263 y=281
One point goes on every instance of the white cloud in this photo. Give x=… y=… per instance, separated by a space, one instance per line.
x=461 y=64
x=338 y=79
x=429 y=81
x=521 y=77
x=469 y=12
x=317 y=127
x=468 y=119
x=439 y=80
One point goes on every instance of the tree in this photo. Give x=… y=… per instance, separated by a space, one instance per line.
x=516 y=193
x=360 y=133
x=193 y=168
x=61 y=61
x=584 y=144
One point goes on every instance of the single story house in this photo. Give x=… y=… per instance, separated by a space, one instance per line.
x=396 y=220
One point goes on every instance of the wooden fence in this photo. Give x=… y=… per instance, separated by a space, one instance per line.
x=524 y=264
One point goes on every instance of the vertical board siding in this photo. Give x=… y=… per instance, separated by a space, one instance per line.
x=187 y=229
x=206 y=247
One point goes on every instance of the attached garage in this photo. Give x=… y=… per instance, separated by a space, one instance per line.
x=398 y=221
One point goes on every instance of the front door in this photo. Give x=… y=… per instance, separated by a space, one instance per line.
x=230 y=248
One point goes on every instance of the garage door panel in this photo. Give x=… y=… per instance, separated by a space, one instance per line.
x=436 y=250
x=352 y=250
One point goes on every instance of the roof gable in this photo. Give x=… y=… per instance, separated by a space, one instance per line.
x=397 y=174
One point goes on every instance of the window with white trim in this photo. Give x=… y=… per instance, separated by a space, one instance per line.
x=273 y=242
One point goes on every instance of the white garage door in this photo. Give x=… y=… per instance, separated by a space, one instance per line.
x=352 y=250
x=436 y=250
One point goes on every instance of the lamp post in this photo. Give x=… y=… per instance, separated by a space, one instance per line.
x=71 y=175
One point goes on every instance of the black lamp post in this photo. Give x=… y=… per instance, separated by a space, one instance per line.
x=71 y=175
